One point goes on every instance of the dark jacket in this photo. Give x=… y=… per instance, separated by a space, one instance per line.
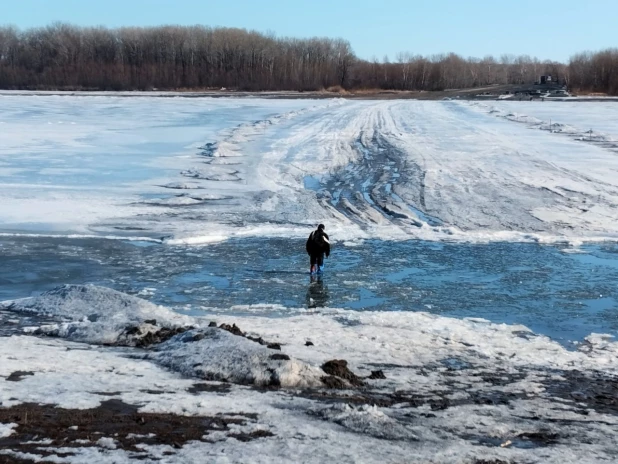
x=317 y=243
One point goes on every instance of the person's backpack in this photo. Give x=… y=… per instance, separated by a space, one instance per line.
x=319 y=239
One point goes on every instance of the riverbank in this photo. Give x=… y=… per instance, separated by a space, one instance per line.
x=176 y=388
x=497 y=93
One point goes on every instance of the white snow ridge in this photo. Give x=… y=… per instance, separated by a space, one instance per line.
x=92 y=314
x=100 y=315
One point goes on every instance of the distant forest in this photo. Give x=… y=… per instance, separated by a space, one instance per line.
x=63 y=56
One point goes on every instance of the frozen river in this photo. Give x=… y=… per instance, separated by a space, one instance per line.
x=563 y=295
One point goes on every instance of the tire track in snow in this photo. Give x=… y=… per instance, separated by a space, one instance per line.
x=364 y=190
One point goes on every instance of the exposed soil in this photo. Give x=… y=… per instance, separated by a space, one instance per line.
x=339 y=375
x=234 y=329
x=210 y=387
x=152 y=338
x=112 y=419
x=18 y=376
x=599 y=392
x=339 y=368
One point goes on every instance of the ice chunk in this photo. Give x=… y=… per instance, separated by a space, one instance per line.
x=215 y=354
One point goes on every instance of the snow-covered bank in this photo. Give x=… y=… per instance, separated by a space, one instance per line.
x=453 y=390
x=99 y=315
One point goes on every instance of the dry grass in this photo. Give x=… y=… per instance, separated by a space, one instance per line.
x=336 y=89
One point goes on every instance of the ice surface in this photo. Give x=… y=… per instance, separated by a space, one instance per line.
x=67 y=163
x=196 y=171
x=392 y=169
x=444 y=171
x=565 y=117
x=565 y=296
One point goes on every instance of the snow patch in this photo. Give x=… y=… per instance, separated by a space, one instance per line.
x=6 y=430
x=365 y=419
x=106 y=442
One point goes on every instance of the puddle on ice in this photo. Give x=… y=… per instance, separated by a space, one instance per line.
x=312 y=183
x=563 y=295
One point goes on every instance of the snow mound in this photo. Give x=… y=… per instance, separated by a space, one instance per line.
x=98 y=315
x=367 y=420
x=216 y=354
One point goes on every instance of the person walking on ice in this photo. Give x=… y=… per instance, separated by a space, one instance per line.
x=318 y=245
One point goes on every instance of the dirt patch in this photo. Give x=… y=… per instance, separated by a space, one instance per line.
x=18 y=376
x=339 y=368
x=115 y=420
x=209 y=387
x=377 y=375
x=233 y=329
x=252 y=435
x=155 y=392
x=492 y=461
x=598 y=392
x=154 y=337
x=13 y=460
x=330 y=381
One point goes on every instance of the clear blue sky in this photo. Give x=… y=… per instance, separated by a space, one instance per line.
x=548 y=30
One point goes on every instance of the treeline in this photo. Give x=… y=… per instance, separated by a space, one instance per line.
x=595 y=71
x=62 y=56
x=168 y=57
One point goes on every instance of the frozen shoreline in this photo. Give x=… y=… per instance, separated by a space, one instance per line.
x=454 y=390
x=464 y=94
